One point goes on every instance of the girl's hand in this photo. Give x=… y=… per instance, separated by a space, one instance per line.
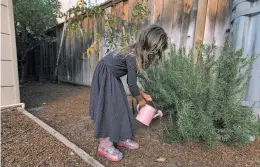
x=141 y=103
x=147 y=97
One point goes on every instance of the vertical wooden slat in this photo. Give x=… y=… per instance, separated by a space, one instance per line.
x=177 y=21
x=210 y=21
x=187 y=10
x=151 y=10
x=63 y=70
x=49 y=62
x=125 y=11
x=66 y=56
x=200 y=26
x=40 y=60
x=130 y=9
x=43 y=60
x=222 y=21
x=85 y=61
x=167 y=15
x=73 y=59
x=92 y=59
x=192 y=26
x=158 y=11
x=96 y=58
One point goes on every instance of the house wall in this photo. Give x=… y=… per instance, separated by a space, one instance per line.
x=245 y=33
x=9 y=73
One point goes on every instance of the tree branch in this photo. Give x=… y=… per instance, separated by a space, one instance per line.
x=26 y=52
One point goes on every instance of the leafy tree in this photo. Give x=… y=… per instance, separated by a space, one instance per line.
x=32 y=19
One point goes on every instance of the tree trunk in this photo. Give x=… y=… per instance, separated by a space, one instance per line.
x=24 y=65
x=59 y=51
x=24 y=74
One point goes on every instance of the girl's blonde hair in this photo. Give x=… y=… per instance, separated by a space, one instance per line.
x=148 y=48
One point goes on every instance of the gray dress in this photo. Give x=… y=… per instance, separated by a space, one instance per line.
x=109 y=107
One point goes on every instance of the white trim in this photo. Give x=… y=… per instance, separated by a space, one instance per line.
x=13 y=106
x=81 y=153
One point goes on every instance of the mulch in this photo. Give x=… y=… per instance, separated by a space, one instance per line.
x=24 y=143
x=66 y=110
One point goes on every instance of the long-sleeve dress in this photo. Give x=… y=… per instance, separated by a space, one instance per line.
x=109 y=107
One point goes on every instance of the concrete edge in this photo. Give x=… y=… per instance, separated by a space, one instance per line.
x=81 y=153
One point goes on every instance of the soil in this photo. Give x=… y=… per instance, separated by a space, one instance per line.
x=66 y=110
x=24 y=143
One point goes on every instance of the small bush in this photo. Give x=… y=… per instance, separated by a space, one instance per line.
x=203 y=100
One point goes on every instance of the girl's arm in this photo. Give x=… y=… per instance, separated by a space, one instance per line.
x=132 y=80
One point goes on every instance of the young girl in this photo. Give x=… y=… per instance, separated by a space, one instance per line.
x=109 y=107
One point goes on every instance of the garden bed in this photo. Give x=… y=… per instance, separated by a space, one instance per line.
x=24 y=143
x=66 y=110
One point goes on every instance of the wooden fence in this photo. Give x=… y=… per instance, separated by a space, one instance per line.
x=187 y=22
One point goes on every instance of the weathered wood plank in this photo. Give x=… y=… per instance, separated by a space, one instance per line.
x=187 y=6
x=130 y=9
x=222 y=21
x=125 y=10
x=167 y=14
x=210 y=21
x=200 y=26
x=192 y=26
x=85 y=60
x=177 y=20
x=158 y=11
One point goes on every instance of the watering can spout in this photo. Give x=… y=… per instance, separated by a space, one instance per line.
x=159 y=113
x=147 y=113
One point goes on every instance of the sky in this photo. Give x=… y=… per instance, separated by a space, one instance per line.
x=66 y=4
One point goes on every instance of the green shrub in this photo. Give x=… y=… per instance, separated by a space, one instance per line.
x=203 y=100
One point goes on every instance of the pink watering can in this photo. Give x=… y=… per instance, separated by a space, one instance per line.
x=147 y=113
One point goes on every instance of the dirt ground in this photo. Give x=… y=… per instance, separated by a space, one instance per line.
x=24 y=143
x=66 y=110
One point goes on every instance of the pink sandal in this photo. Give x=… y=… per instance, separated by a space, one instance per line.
x=107 y=149
x=110 y=153
x=130 y=144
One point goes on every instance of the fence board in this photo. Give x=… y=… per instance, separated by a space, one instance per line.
x=210 y=21
x=200 y=25
x=187 y=6
x=158 y=11
x=192 y=26
x=222 y=21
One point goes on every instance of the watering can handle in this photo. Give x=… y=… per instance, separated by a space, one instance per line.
x=158 y=114
x=138 y=107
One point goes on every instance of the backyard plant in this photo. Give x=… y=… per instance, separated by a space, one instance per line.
x=203 y=101
x=117 y=32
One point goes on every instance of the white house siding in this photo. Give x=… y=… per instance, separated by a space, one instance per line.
x=9 y=71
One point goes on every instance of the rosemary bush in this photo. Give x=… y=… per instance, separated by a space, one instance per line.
x=203 y=100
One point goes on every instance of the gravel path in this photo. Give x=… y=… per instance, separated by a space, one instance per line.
x=24 y=143
x=66 y=110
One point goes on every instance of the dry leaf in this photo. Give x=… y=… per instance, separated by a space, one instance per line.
x=161 y=159
x=91 y=48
